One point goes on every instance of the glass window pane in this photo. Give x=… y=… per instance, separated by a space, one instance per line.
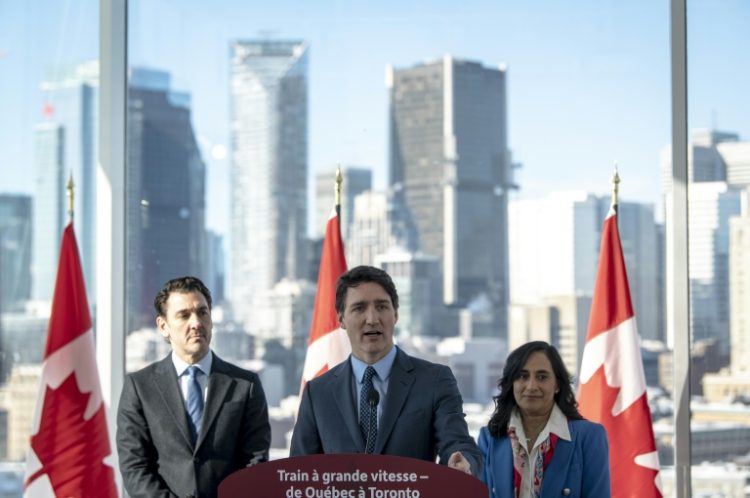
x=477 y=145
x=48 y=123
x=719 y=175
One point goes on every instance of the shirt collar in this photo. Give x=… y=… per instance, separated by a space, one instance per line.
x=204 y=364
x=382 y=366
x=556 y=424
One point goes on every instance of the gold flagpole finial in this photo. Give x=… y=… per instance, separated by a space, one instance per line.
x=615 y=186
x=71 y=195
x=339 y=181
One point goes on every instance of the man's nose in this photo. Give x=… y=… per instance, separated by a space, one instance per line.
x=194 y=321
x=371 y=315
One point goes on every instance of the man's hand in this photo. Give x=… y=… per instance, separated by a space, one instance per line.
x=458 y=462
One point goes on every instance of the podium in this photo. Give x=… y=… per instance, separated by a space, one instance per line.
x=350 y=476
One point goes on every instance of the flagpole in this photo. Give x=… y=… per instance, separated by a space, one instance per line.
x=71 y=196
x=339 y=182
x=615 y=188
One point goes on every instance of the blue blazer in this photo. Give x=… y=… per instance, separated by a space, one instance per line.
x=580 y=466
x=422 y=415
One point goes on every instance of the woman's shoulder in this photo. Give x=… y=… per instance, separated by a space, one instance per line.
x=587 y=426
x=486 y=438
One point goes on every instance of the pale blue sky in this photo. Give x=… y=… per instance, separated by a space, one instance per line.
x=588 y=81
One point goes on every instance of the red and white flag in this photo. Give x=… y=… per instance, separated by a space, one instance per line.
x=613 y=385
x=328 y=344
x=69 y=441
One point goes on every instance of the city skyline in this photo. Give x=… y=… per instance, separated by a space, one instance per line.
x=578 y=100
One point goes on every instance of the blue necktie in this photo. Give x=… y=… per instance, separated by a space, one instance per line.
x=368 y=414
x=194 y=401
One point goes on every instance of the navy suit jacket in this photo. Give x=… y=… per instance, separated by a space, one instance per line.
x=580 y=466
x=157 y=456
x=422 y=415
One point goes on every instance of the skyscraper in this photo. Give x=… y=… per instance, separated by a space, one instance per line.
x=711 y=206
x=269 y=167
x=718 y=167
x=65 y=145
x=15 y=249
x=449 y=161
x=165 y=214
x=739 y=289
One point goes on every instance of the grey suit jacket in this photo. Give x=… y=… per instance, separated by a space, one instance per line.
x=157 y=456
x=422 y=415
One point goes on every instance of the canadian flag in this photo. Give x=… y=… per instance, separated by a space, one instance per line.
x=328 y=344
x=613 y=386
x=69 y=441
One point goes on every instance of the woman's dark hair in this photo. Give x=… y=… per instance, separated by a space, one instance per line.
x=505 y=401
x=363 y=274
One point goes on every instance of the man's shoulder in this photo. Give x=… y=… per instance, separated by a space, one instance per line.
x=232 y=370
x=150 y=370
x=327 y=377
x=408 y=361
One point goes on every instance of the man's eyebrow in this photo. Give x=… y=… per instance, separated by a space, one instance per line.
x=187 y=310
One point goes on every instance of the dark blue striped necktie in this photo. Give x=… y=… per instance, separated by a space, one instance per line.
x=194 y=401
x=368 y=414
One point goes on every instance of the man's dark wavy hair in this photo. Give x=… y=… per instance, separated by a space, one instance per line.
x=181 y=284
x=505 y=401
x=359 y=275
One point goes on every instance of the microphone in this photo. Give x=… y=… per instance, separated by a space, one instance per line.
x=373 y=397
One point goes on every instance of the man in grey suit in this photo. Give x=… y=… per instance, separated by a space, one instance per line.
x=382 y=400
x=186 y=422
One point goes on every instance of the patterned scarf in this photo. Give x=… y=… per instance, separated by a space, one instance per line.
x=521 y=462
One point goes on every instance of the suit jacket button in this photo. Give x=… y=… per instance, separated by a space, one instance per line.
x=566 y=491
x=196 y=460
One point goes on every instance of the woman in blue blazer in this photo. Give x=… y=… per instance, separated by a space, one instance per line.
x=536 y=444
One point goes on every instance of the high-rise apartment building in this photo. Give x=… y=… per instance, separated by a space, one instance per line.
x=449 y=162
x=165 y=214
x=269 y=167
x=710 y=206
x=65 y=145
x=718 y=167
x=417 y=280
x=739 y=288
x=15 y=250
x=554 y=246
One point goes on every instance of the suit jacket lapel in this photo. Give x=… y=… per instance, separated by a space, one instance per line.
x=342 y=392
x=219 y=384
x=399 y=385
x=166 y=383
x=503 y=477
x=557 y=471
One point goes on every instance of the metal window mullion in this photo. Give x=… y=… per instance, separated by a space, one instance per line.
x=678 y=221
x=110 y=202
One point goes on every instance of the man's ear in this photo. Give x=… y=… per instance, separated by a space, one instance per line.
x=341 y=321
x=396 y=313
x=161 y=324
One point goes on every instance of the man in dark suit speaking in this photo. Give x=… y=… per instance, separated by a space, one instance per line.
x=382 y=400
x=188 y=421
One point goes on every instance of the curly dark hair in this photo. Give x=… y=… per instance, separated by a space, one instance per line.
x=181 y=284
x=505 y=401
x=362 y=274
